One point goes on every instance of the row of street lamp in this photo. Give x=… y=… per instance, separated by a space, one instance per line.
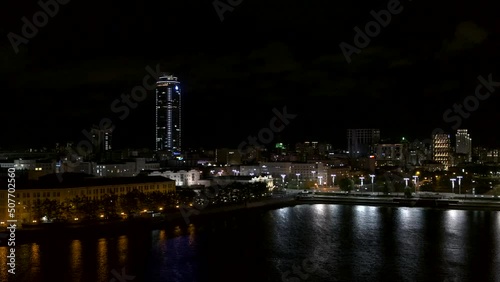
x=459 y=184
x=372 y=176
x=361 y=178
x=320 y=177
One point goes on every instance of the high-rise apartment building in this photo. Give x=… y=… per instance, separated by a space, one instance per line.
x=168 y=114
x=441 y=149
x=464 y=144
x=101 y=140
x=361 y=142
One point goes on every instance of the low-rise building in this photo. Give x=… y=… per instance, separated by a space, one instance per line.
x=124 y=168
x=63 y=187
x=182 y=178
x=226 y=180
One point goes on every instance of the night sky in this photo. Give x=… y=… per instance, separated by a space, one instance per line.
x=263 y=55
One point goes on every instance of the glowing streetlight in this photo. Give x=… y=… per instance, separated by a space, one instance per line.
x=320 y=178
x=415 y=180
x=453 y=185
x=298 y=180
x=406 y=181
x=361 y=178
x=333 y=179
x=313 y=178
x=372 y=177
x=283 y=178
x=460 y=184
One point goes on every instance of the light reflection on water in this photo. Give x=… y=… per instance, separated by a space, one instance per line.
x=102 y=258
x=76 y=259
x=122 y=246
x=325 y=242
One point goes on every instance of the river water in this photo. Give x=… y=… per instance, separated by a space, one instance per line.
x=319 y=242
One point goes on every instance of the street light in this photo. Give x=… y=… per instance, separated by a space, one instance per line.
x=333 y=179
x=459 y=184
x=298 y=180
x=372 y=176
x=320 y=177
x=415 y=179
x=313 y=179
x=406 y=181
x=453 y=185
x=361 y=178
x=283 y=178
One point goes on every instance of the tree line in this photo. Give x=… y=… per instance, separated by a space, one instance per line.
x=113 y=206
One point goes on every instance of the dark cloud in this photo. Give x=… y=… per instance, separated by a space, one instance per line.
x=467 y=35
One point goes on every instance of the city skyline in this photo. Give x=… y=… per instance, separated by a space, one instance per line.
x=361 y=142
x=237 y=140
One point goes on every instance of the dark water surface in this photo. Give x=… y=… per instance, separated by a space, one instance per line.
x=320 y=242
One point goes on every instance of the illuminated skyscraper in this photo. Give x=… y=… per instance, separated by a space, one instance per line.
x=464 y=144
x=441 y=149
x=168 y=114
